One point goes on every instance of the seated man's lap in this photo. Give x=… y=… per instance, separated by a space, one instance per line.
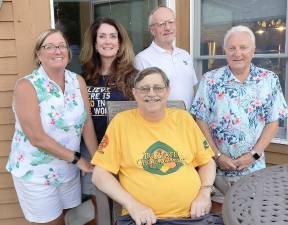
x=209 y=219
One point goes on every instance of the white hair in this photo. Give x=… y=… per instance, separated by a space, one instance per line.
x=150 y=19
x=239 y=28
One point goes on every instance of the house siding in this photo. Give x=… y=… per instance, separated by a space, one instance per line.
x=18 y=31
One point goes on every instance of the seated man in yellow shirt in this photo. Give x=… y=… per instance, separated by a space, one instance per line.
x=155 y=150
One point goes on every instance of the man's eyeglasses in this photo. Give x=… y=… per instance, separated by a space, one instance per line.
x=52 y=48
x=164 y=23
x=156 y=89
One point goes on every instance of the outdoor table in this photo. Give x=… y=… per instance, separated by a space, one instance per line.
x=260 y=198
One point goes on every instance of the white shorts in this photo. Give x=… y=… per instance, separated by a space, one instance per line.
x=44 y=203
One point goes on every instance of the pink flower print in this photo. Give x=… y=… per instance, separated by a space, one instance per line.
x=235 y=145
x=52 y=121
x=227 y=117
x=261 y=119
x=220 y=95
x=219 y=142
x=250 y=109
x=49 y=87
x=283 y=111
x=46 y=182
x=213 y=125
x=20 y=157
x=211 y=81
x=73 y=96
x=257 y=103
x=264 y=74
x=237 y=120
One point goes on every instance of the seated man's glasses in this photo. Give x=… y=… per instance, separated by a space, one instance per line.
x=164 y=23
x=52 y=48
x=156 y=89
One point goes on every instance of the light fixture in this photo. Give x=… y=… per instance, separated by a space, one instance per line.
x=263 y=25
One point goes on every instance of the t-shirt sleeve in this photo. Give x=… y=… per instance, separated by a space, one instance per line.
x=108 y=153
x=201 y=148
x=276 y=107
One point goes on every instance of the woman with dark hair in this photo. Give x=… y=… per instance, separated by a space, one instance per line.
x=107 y=60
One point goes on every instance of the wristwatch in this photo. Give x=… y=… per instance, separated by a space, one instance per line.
x=217 y=156
x=255 y=155
x=77 y=156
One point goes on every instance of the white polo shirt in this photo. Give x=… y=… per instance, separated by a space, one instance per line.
x=178 y=66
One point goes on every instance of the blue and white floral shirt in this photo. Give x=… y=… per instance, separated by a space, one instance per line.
x=237 y=112
x=62 y=118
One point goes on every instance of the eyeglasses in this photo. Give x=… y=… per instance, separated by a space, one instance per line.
x=52 y=48
x=164 y=23
x=156 y=89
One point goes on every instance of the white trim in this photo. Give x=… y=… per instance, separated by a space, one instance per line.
x=192 y=26
x=172 y=5
x=1 y=2
x=52 y=22
x=279 y=141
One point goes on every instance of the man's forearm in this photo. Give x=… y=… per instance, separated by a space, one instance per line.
x=267 y=135
x=207 y=173
x=107 y=183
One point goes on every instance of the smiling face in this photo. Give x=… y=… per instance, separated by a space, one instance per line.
x=151 y=96
x=163 y=27
x=107 y=41
x=54 y=59
x=239 y=52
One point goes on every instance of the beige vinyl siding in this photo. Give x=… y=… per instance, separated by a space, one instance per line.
x=20 y=23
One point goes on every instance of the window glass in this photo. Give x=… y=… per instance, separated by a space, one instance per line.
x=269 y=26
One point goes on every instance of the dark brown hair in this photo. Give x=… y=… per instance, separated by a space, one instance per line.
x=122 y=69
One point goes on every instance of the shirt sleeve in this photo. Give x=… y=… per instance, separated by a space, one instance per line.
x=108 y=155
x=277 y=107
x=138 y=62
x=200 y=106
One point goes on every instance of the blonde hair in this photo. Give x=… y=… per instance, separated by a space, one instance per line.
x=122 y=68
x=41 y=38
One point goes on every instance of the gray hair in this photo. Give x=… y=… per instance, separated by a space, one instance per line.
x=150 y=18
x=239 y=28
x=148 y=71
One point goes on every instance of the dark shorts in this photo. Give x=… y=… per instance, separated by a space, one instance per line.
x=209 y=219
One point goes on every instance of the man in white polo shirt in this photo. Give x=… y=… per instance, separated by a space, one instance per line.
x=162 y=53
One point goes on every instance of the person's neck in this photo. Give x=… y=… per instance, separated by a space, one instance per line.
x=166 y=46
x=106 y=66
x=153 y=117
x=55 y=74
x=241 y=75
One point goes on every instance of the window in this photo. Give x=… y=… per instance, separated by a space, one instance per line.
x=266 y=18
x=74 y=16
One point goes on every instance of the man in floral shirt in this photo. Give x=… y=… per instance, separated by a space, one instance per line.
x=238 y=107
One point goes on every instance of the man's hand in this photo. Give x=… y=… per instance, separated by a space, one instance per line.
x=226 y=163
x=244 y=161
x=201 y=204
x=141 y=214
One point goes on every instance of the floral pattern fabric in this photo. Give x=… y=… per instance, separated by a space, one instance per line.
x=62 y=117
x=237 y=112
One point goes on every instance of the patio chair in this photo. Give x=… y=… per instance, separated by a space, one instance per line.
x=108 y=210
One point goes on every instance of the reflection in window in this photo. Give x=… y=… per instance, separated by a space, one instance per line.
x=268 y=25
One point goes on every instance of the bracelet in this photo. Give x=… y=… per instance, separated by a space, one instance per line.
x=211 y=187
x=217 y=156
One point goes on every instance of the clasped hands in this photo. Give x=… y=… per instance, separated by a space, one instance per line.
x=227 y=163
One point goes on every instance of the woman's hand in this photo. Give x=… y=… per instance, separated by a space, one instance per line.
x=84 y=165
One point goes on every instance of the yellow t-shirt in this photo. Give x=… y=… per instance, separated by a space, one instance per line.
x=156 y=160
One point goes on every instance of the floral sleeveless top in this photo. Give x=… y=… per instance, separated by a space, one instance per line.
x=62 y=117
